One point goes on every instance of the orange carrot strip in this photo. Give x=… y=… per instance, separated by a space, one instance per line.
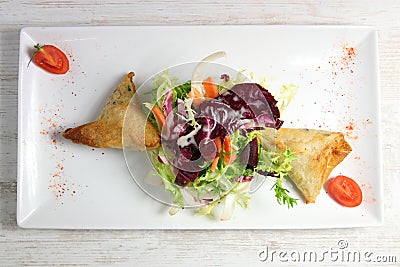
x=196 y=93
x=218 y=145
x=159 y=115
x=217 y=142
x=229 y=157
x=210 y=88
x=198 y=98
x=214 y=163
x=227 y=144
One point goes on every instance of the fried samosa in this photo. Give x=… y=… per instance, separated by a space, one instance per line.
x=108 y=129
x=318 y=152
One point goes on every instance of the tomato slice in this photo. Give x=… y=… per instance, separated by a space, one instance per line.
x=51 y=59
x=345 y=191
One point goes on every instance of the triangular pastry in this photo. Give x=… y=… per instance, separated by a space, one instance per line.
x=107 y=130
x=318 y=152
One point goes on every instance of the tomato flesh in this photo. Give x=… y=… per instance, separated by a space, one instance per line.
x=51 y=59
x=345 y=191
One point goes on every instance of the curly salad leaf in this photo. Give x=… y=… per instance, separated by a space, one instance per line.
x=167 y=177
x=278 y=165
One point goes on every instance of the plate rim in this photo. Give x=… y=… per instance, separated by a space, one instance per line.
x=23 y=222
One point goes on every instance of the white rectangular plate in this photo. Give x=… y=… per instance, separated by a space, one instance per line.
x=64 y=185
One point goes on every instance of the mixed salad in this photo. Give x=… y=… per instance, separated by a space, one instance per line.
x=211 y=131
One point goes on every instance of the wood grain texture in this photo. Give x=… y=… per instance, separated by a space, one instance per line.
x=19 y=247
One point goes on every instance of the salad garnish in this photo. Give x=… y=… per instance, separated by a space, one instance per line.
x=211 y=134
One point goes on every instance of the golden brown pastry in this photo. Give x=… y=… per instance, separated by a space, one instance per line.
x=318 y=152
x=107 y=131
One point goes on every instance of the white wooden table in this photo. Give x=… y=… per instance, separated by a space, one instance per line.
x=189 y=248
